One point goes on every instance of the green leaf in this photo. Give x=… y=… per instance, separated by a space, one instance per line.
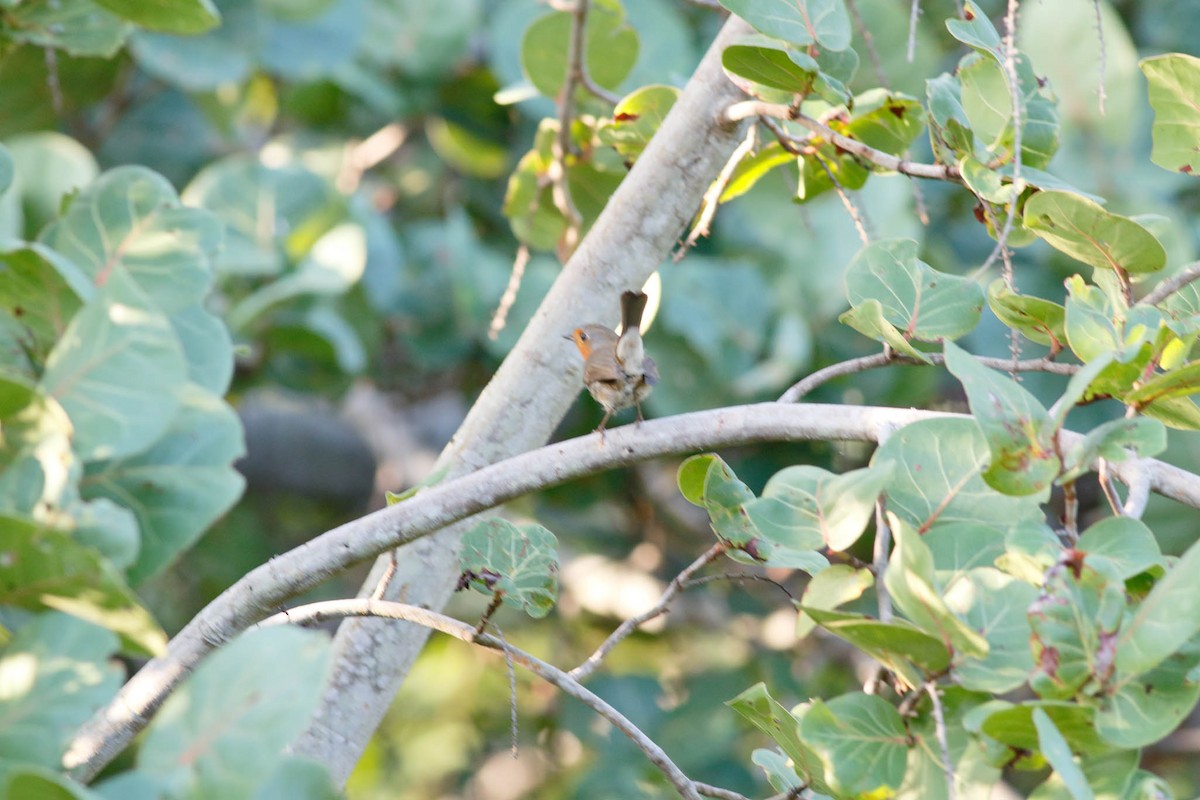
x=25 y=780
x=862 y=741
x=131 y=219
x=1075 y=624
x=169 y=16
x=1108 y=775
x=995 y=605
x=58 y=671
x=207 y=346
x=1174 y=80
x=1019 y=432
x=1058 y=753
x=636 y=119
x=1038 y=320
x=1179 y=382
x=1165 y=620
x=518 y=562
x=707 y=481
x=985 y=182
x=1175 y=412
x=899 y=645
x=949 y=129
x=975 y=30
x=179 y=485
x=778 y=769
x=47 y=569
x=223 y=732
x=1030 y=549
x=799 y=22
x=887 y=121
x=757 y=706
x=1114 y=441
x=611 y=45
x=830 y=589
x=1121 y=547
x=37 y=465
x=971 y=756
x=752 y=168
x=938 y=480
x=1085 y=231
x=116 y=371
x=40 y=292
x=923 y=303
x=298 y=779
x=770 y=63
x=805 y=507
x=910 y=580
x=78 y=27
x=987 y=104
x=1146 y=708
x=1013 y=725
x=869 y=319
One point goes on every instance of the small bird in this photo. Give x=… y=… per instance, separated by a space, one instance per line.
x=616 y=370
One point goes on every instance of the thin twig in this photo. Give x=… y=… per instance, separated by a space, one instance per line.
x=52 y=83
x=497 y=599
x=1185 y=276
x=879 y=560
x=939 y=727
x=500 y=318
x=386 y=578
x=919 y=203
x=1139 y=493
x=1018 y=122
x=512 y=691
x=855 y=365
x=1101 y=93
x=1110 y=491
x=737 y=577
x=557 y=171
x=869 y=42
x=630 y=625
x=712 y=197
x=913 y=14
x=314 y=613
x=756 y=108
x=709 y=790
x=585 y=80
x=359 y=157
x=1071 y=511
x=856 y=215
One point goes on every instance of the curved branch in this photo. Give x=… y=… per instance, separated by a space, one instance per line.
x=756 y=108
x=855 y=365
x=1173 y=284
x=261 y=591
x=314 y=613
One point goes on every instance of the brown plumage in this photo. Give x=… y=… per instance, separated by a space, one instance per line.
x=616 y=370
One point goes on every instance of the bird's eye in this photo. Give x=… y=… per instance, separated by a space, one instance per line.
x=583 y=337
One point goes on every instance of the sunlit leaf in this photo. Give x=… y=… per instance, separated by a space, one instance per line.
x=1174 y=81
x=518 y=562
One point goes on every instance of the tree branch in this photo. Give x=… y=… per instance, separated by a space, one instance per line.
x=855 y=365
x=315 y=613
x=532 y=389
x=627 y=627
x=264 y=588
x=748 y=109
x=1173 y=284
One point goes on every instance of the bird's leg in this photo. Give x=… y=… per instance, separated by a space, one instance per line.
x=640 y=418
x=603 y=422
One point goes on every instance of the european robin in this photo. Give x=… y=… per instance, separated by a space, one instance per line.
x=616 y=370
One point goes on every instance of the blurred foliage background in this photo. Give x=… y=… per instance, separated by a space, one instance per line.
x=362 y=299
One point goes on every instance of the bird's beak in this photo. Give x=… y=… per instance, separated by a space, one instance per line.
x=568 y=337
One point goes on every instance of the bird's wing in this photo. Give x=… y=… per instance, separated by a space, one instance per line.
x=602 y=366
x=650 y=371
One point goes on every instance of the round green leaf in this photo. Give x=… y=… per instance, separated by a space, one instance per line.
x=1147 y=708
x=224 y=731
x=1174 y=82
x=1075 y=623
x=131 y=219
x=1056 y=750
x=923 y=303
x=180 y=484
x=65 y=675
x=117 y=371
x=1038 y=320
x=769 y=63
x=518 y=562
x=611 y=48
x=799 y=22
x=939 y=463
x=1120 y=546
x=79 y=27
x=1165 y=620
x=995 y=605
x=861 y=739
x=170 y=16
x=829 y=589
x=1085 y=231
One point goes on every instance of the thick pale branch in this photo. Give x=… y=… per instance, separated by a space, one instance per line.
x=532 y=389
x=315 y=613
x=1173 y=284
x=261 y=591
